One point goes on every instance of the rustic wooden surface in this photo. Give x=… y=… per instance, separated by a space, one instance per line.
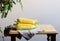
x=46 y=29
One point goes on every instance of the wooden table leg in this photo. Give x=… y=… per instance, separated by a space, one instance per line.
x=13 y=38
x=51 y=37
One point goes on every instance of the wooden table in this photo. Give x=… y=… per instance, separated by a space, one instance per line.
x=49 y=30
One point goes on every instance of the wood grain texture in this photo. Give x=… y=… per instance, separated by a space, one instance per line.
x=46 y=29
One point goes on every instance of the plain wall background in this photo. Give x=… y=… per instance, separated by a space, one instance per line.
x=45 y=11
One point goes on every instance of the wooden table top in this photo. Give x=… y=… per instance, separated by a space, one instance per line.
x=46 y=29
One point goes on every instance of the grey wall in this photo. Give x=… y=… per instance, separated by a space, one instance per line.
x=45 y=11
